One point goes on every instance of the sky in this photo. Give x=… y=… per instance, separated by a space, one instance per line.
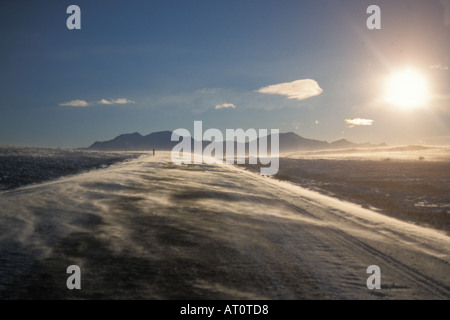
x=309 y=67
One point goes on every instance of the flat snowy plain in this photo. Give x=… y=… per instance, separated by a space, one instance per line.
x=147 y=229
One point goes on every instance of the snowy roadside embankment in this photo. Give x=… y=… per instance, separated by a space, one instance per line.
x=411 y=185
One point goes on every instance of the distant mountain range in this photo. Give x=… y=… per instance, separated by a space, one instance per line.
x=289 y=142
x=136 y=141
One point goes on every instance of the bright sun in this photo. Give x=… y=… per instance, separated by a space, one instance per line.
x=407 y=89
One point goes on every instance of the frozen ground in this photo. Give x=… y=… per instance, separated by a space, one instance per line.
x=146 y=229
x=20 y=166
x=410 y=183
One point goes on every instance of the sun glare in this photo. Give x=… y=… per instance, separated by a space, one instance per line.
x=407 y=89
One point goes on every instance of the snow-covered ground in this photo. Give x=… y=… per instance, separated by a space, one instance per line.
x=409 y=183
x=20 y=166
x=147 y=229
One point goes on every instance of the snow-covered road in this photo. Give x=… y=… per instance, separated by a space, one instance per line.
x=147 y=229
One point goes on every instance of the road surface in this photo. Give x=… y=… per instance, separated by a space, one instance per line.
x=146 y=229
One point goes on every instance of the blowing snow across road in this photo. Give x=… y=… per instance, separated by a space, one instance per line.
x=147 y=229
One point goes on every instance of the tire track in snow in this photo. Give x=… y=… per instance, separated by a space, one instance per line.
x=401 y=275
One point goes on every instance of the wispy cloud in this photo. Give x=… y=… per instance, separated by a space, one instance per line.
x=358 y=122
x=83 y=103
x=115 y=101
x=74 y=103
x=298 y=90
x=210 y=90
x=225 y=106
x=439 y=66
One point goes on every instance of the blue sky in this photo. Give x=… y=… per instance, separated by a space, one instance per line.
x=148 y=66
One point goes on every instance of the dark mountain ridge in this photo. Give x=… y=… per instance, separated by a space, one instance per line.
x=289 y=142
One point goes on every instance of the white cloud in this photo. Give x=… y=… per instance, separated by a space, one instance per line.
x=115 y=101
x=83 y=103
x=74 y=103
x=358 y=122
x=225 y=106
x=299 y=89
x=439 y=66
